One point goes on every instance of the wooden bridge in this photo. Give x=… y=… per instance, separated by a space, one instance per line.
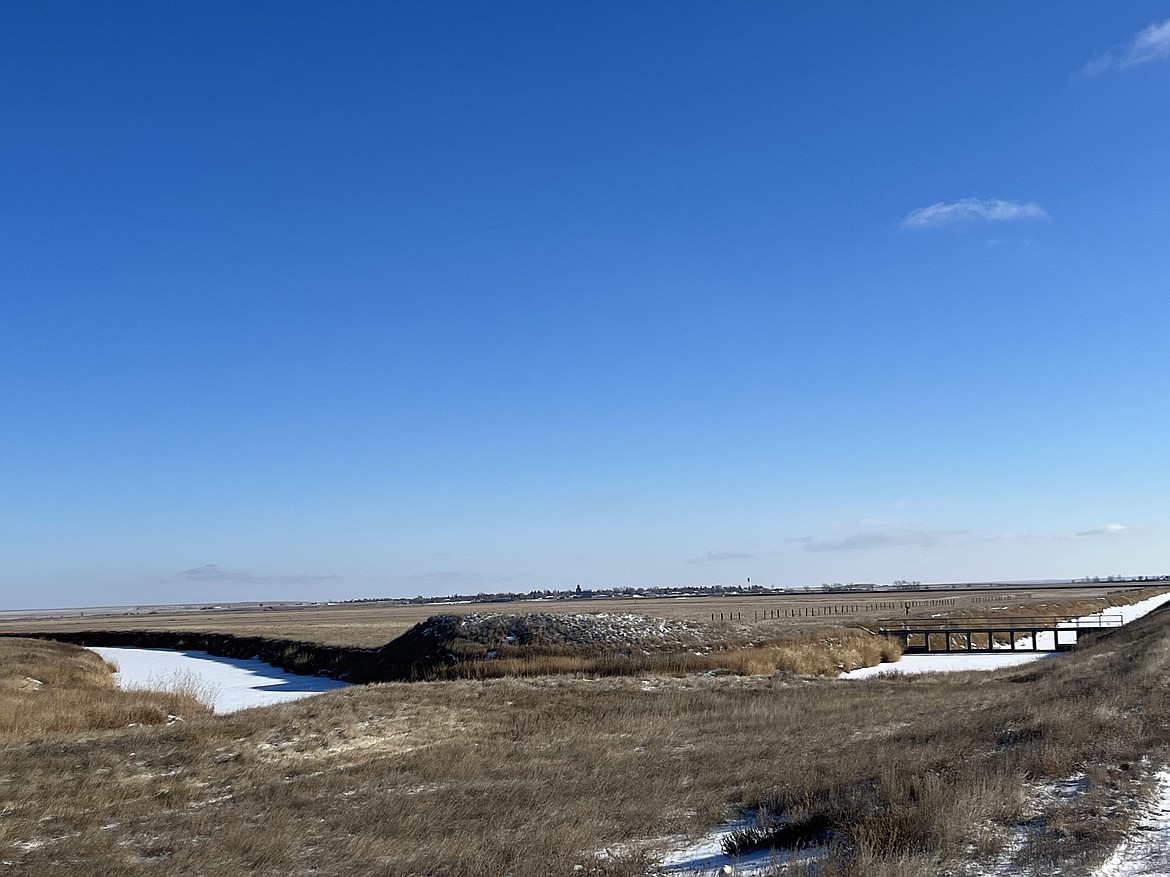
x=1046 y=634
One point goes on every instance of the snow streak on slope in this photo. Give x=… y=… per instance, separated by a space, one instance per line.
x=1146 y=852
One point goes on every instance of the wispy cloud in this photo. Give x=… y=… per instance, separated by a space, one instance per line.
x=971 y=209
x=1152 y=44
x=719 y=556
x=889 y=538
x=911 y=537
x=1104 y=530
x=213 y=572
x=1107 y=530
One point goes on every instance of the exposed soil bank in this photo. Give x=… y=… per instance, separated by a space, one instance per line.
x=430 y=648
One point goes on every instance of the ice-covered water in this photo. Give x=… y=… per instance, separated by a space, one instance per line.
x=230 y=684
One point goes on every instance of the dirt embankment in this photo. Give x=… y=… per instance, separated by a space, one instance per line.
x=425 y=651
x=414 y=655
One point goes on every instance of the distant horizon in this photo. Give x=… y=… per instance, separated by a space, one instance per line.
x=1138 y=578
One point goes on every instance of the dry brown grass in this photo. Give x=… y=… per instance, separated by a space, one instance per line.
x=819 y=651
x=49 y=689
x=530 y=777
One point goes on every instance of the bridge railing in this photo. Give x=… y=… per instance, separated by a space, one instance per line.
x=1050 y=622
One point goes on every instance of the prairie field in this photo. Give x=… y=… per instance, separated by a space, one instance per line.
x=369 y=625
x=586 y=774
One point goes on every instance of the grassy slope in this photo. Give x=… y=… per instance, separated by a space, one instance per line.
x=49 y=689
x=529 y=776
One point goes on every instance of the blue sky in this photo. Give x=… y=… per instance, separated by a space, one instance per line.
x=359 y=299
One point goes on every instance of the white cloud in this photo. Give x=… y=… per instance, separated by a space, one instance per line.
x=970 y=209
x=1152 y=44
x=1107 y=530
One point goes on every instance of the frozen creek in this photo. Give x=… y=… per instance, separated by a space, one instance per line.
x=229 y=684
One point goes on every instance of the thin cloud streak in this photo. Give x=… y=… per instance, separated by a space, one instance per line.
x=720 y=556
x=212 y=572
x=916 y=538
x=900 y=538
x=970 y=210
x=1107 y=530
x=1152 y=44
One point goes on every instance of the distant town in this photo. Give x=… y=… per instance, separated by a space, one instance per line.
x=754 y=590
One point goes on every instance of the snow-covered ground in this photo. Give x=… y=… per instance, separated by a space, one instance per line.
x=229 y=684
x=1146 y=852
x=705 y=857
x=679 y=856
x=954 y=663
x=943 y=663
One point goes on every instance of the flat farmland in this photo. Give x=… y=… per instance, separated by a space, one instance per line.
x=373 y=624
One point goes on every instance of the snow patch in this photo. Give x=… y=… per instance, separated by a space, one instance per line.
x=1146 y=852
x=706 y=856
x=681 y=856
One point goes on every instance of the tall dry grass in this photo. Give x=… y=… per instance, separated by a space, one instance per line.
x=819 y=651
x=49 y=688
